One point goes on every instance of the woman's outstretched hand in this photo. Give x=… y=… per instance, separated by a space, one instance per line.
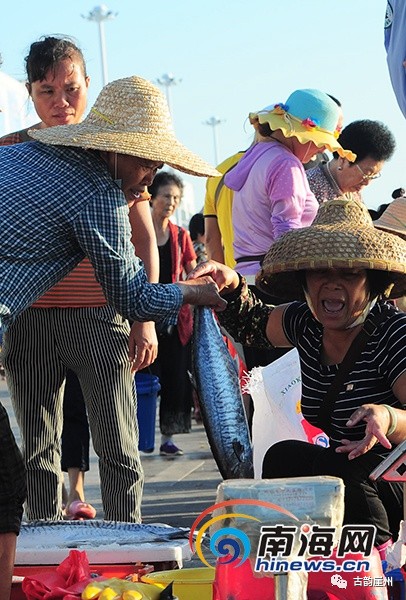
x=226 y=279
x=377 y=421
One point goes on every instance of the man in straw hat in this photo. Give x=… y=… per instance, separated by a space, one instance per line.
x=66 y=196
x=338 y=272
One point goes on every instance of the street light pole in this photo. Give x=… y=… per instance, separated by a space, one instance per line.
x=100 y=14
x=213 y=122
x=168 y=80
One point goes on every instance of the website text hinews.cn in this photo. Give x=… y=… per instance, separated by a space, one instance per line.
x=278 y=553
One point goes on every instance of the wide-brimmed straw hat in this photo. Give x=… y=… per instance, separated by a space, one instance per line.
x=393 y=219
x=130 y=116
x=342 y=236
x=308 y=115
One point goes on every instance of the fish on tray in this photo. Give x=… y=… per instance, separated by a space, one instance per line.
x=72 y=534
x=220 y=400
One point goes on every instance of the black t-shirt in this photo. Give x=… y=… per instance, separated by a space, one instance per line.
x=165 y=263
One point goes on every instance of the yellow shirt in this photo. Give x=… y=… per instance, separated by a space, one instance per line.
x=221 y=207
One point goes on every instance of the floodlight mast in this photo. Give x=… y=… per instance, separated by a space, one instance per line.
x=167 y=81
x=99 y=15
x=214 y=122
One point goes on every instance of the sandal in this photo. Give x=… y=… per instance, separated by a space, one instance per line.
x=79 y=510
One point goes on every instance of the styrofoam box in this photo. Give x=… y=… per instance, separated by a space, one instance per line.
x=312 y=500
x=317 y=499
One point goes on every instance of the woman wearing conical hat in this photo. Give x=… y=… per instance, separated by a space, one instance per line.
x=338 y=273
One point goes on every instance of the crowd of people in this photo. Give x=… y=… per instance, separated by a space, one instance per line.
x=305 y=236
x=98 y=282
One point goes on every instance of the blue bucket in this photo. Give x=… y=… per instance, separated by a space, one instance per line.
x=147 y=387
x=397 y=590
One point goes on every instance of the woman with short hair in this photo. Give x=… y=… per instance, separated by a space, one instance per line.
x=177 y=258
x=373 y=144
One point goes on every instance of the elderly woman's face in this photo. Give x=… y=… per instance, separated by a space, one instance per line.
x=353 y=177
x=166 y=201
x=338 y=296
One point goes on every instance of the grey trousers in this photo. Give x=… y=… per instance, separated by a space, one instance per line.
x=93 y=343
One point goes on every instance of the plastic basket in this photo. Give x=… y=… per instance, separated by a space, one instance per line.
x=188 y=584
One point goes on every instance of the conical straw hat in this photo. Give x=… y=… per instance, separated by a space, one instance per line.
x=394 y=218
x=130 y=116
x=341 y=236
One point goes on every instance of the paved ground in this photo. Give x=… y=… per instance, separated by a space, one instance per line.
x=176 y=490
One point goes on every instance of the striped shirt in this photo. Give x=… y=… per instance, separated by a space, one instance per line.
x=381 y=363
x=79 y=289
x=58 y=205
x=370 y=382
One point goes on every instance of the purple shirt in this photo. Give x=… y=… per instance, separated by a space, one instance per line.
x=271 y=196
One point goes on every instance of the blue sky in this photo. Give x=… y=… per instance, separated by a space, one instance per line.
x=233 y=57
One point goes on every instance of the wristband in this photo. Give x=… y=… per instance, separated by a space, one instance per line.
x=393 y=419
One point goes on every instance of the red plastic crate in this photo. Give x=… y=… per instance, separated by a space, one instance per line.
x=119 y=570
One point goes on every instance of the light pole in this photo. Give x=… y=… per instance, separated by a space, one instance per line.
x=100 y=14
x=168 y=80
x=213 y=122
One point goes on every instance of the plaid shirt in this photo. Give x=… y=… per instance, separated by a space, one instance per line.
x=17 y=137
x=59 y=204
x=11 y=138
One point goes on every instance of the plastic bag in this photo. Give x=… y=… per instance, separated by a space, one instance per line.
x=66 y=582
x=276 y=392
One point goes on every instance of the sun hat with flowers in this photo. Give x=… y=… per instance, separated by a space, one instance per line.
x=310 y=116
x=342 y=236
x=130 y=116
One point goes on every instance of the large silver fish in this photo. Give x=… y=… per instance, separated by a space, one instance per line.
x=220 y=399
